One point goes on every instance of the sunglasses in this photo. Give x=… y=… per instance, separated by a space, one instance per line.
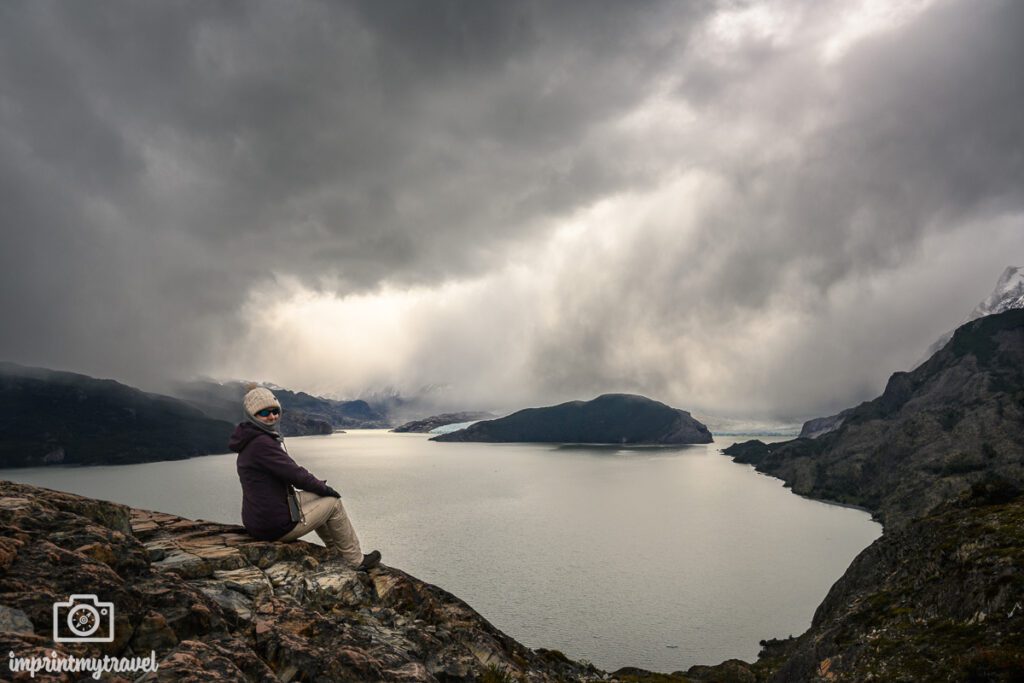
x=267 y=412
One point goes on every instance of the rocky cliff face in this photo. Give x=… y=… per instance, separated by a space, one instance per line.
x=939 y=600
x=954 y=421
x=938 y=457
x=611 y=418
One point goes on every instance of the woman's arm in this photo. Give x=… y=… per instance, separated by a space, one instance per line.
x=273 y=458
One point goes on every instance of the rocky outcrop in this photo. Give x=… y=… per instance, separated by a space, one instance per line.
x=952 y=422
x=63 y=418
x=729 y=671
x=301 y=424
x=819 y=426
x=215 y=604
x=939 y=600
x=611 y=418
x=434 y=421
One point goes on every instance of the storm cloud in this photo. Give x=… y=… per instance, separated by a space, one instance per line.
x=743 y=209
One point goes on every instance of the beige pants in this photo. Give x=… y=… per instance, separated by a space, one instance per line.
x=327 y=517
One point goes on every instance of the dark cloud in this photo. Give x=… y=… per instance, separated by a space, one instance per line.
x=913 y=133
x=162 y=160
x=167 y=167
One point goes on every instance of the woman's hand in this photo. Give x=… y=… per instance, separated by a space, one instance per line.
x=332 y=493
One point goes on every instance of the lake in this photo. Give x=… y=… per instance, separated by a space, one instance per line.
x=655 y=557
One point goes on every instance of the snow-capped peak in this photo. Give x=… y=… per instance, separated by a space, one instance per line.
x=1009 y=293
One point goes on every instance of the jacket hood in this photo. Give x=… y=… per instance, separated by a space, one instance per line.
x=243 y=434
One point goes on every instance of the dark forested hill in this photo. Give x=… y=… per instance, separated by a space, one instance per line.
x=51 y=417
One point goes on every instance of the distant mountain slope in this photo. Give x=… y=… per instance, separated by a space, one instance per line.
x=1007 y=295
x=952 y=422
x=224 y=401
x=611 y=418
x=812 y=429
x=51 y=417
x=434 y=421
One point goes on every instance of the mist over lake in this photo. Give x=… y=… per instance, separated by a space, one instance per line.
x=658 y=557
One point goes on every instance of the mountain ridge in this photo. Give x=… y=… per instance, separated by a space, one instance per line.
x=223 y=400
x=1008 y=294
x=932 y=433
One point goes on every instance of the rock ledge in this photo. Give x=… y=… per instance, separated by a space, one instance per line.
x=215 y=604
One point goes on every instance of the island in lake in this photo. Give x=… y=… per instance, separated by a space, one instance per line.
x=609 y=418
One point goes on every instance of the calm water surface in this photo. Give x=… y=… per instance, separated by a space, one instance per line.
x=653 y=557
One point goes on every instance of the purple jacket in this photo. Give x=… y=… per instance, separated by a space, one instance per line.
x=265 y=470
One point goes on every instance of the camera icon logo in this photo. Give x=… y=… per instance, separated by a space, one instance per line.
x=83 y=619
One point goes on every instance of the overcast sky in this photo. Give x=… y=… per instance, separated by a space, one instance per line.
x=753 y=210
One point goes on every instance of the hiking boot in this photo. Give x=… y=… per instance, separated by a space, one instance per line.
x=369 y=561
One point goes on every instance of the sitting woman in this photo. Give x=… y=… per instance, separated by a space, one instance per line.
x=266 y=470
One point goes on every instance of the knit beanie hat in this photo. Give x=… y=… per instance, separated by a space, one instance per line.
x=256 y=400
